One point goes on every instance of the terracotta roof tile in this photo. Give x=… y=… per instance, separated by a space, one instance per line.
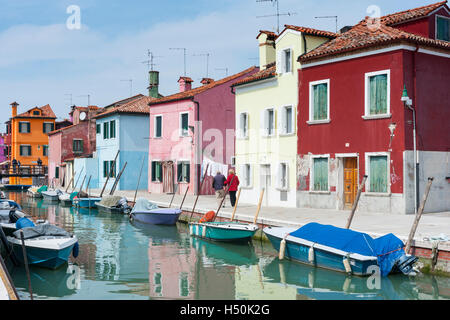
x=120 y=102
x=311 y=31
x=269 y=72
x=411 y=14
x=186 y=79
x=270 y=35
x=46 y=112
x=138 y=106
x=193 y=92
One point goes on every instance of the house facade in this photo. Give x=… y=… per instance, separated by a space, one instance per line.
x=190 y=129
x=266 y=109
x=357 y=123
x=29 y=137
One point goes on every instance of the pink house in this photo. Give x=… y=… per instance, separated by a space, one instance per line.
x=190 y=129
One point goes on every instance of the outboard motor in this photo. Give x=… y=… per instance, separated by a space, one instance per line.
x=124 y=204
x=405 y=263
x=13 y=216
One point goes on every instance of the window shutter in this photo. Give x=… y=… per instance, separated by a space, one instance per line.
x=43 y=127
x=28 y=127
x=81 y=146
x=247 y=125
x=188 y=172
x=279 y=176
x=179 y=171
x=262 y=130
x=279 y=63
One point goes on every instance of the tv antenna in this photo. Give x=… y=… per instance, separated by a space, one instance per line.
x=131 y=85
x=89 y=98
x=223 y=69
x=278 y=14
x=207 y=61
x=329 y=17
x=149 y=62
x=70 y=95
x=184 y=52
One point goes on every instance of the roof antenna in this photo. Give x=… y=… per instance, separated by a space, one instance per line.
x=149 y=62
x=69 y=94
x=184 y=52
x=278 y=14
x=223 y=69
x=89 y=98
x=328 y=17
x=131 y=86
x=207 y=61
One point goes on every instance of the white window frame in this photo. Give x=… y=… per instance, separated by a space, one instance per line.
x=241 y=134
x=311 y=102
x=244 y=176
x=281 y=68
x=311 y=173
x=265 y=126
x=435 y=25
x=367 y=76
x=181 y=122
x=155 y=123
x=279 y=177
x=282 y=116
x=367 y=156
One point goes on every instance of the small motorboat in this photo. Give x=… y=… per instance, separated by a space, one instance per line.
x=65 y=198
x=113 y=204
x=51 y=195
x=46 y=245
x=148 y=212
x=36 y=192
x=2 y=195
x=339 y=249
x=9 y=218
x=85 y=202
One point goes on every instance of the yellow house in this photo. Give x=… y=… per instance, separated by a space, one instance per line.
x=266 y=113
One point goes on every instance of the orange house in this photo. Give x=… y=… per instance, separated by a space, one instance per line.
x=29 y=137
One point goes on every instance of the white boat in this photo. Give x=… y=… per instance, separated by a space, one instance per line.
x=52 y=195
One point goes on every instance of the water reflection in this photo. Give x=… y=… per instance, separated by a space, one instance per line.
x=119 y=259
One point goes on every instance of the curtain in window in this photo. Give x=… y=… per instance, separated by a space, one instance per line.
x=378 y=174
x=321 y=101
x=321 y=174
x=378 y=94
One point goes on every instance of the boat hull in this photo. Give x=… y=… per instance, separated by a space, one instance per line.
x=156 y=218
x=102 y=208
x=16 y=187
x=86 y=202
x=219 y=231
x=35 y=195
x=322 y=258
x=51 y=198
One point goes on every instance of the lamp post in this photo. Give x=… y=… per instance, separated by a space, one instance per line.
x=408 y=104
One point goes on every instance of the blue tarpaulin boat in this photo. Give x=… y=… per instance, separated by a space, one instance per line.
x=341 y=249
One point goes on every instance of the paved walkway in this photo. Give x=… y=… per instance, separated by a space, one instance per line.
x=431 y=224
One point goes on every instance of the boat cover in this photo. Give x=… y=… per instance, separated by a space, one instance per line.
x=110 y=201
x=388 y=249
x=73 y=195
x=143 y=205
x=42 y=230
x=43 y=188
x=166 y=211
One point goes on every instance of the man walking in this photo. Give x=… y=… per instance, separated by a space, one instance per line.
x=218 y=183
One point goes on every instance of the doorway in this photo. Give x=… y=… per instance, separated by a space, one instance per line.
x=265 y=180
x=350 y=181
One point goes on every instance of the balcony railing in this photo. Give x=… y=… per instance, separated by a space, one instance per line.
x=23 y=171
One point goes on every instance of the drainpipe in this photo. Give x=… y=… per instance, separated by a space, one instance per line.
x=197 y=150
x=416 y=153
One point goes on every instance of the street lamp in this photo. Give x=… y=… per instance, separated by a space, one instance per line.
x=407 y=101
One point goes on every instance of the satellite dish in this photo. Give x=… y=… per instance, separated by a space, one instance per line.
x=82 y=115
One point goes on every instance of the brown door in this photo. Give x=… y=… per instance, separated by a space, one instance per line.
x=350 y=181
x=168 y=177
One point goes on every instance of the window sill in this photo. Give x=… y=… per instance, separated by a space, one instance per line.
x=377 y=194
x=320 y=192
x=246 y=187
x=377 y=116
x=183 y=182
x=287 y=134
x=282 y=189
x=268 y=136
x=312 y=122
x=242 y=138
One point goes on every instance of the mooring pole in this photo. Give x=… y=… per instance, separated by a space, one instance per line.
x=6 y=278
x=174 y=192
x=117 y=180
x=68 y=185
x=82 y=183
x=259 y=205
x=87 y=186
x=25 y=260
x=355 y=204
x=139 y=180
x=418 y=215
x=236 y=204
x=109 y=173
x=185 y=194
x=199 y=190
x=78 y=179
x=223 y=199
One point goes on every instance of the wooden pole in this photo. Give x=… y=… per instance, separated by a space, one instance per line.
x=139 y=180
x=174 y=192
x=259 y=206
x=25 y=259
x=355 y=204
x=235 y=205
x=418 y=215
x=223 y=199
x=109 y=173
x=87 y=186
x=113 y=189
x=71 y=180
x=5 y=277
x=199 y=190
x=82 y=183
x=185 y=193
x=78 y=179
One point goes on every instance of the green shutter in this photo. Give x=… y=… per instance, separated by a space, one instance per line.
x=320 y=174
x=443 y=29
x=320 y=101
x=158 y=171
x=158 y=127
x=188 y=172
x=98 y=127
x=180 y=171
x=112 y=129
x=378 y=94
x=378 y=174
x=57 y=172
x=153 y=171
x=105 y=130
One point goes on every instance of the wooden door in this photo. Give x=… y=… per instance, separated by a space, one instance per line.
x=168 y=177
x=350 y=181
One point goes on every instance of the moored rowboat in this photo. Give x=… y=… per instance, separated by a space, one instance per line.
x=223 y=231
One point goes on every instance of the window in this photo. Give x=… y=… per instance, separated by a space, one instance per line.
x=56 y=172
x=45 y=151
x=109 y=167
x=320 y=174
x=36 y=112
x=156 y=171
x=378 y=174
x=184 y=124
x=25 y=150
x=284 y=61
x=157 y=280
x=105 y=130
x=77 y=145
x=286 y=120
x=158 y=126
x=246 y=170
x=48 y=127
x=183 y=171
x=184 y=284
x=268 y=122
x=319 y=101
x=377 y=93
x=112 y=129
x=24 y=127
x=283 y=176
x=442 y=28
x=243 y=125
x=99 y=128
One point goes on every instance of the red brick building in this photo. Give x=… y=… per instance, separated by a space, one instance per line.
x=352 y=120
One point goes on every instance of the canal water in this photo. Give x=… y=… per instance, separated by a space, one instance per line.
x=123 y=260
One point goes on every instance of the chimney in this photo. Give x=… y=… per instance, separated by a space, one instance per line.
x=153 y=89
x=14 y=108
x=185 y=83
x=206 y=81
x=267 y=51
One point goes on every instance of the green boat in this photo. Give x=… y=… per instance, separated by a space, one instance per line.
x=223 y=231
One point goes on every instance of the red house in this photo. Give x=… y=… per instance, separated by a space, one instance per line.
x=356 y=119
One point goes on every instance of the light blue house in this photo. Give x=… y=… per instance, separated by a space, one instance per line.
x=125 y=128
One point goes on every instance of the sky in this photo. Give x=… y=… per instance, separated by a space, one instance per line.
x=42 y=61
